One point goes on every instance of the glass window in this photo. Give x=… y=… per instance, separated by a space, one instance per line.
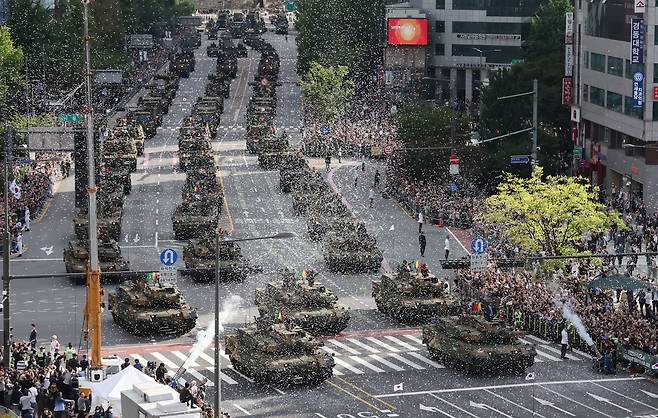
x=597 y=61
x=586 y=58
x=440 y=4
x=440 y=26
x=597 y=96
x=629 y=110
x=616 y=66
x=585 y=93
x=486 y=27
x=632 y=69
x=495 y=54
x=439 y=49
x=500 y=7
x=613 y=101
x=655 y=111
x=609 y=19
x=655 y=73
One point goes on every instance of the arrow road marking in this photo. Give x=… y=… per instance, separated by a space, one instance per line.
x=47 y=250
x=608 y=401
x=552 y=405
x=487 y=407
x=126 y=238
x=434 y=409
x=651 y=394
x=535 y=413
x=628 y=397
x=136 y=240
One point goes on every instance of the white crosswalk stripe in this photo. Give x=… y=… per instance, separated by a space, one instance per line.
x=386 y=362
x=343 y=346
x=367 y=364
x=330 y=351
x=383 y=344
x=426 y=360
x=347 y=366
x=183 y=357
x=400 y=343
x=362 y=345
x=414 y=339
x=406 y=361
x=161 y=358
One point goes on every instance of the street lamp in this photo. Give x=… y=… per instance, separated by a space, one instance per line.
x=218 y=380
x=481 y=52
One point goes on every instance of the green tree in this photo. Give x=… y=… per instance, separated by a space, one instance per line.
x=327 y=91
x=543 y=54
x=426 y=134
x=11 y=69
x=548 y=215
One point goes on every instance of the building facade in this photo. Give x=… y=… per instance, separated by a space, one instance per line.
x=471 y=38
x=615 y=107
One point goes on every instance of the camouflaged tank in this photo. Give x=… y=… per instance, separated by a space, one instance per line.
x=273 y=152
x=413 y=296
x=108 y=222
x=148 y=308
x=352 y=250
x=256 y=133
x=134 y=132
x=116 y=174
x=200 y=187
x=121 y=150
x=320 y=223
x=200 y=260
x=477 y=346
x=303 y=302
x=292 y=173
x=309 y=189
x=182 y=64
x=278 y=353
x=76 y=257
x=191 y=219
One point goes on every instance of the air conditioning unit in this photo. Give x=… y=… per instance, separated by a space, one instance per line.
x=96 y=375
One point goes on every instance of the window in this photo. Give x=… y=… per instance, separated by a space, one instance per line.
x=495 y=54
x=500 y=7
x=597 y=61
x=440 y=4
x=439 y=49
x=655 y=111
x=616 y=66
x=609 y=19
x=632 y=69
x=655 y=35
x=585 y=93
x=655 y=73
x=597 y=96
x=613 y=101
x=440 y=26
x=629 y=110
x=486 y=27
x=586 y=58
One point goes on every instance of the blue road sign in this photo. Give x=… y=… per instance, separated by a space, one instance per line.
x=325 y=130
x=479 y=245
x=168 y=257
x=520 y=159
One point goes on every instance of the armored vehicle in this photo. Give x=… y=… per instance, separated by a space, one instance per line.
x=212 y=50
x=148 y=308
x=121 y=150
x=351 y=251
x=477 y=346
x=108 y=222
x=256 y=133
x=148 y=119
x=182 y=64
x=279 y=353
x=309 y=189
x=413 y=295
x=227 y=64
x=200 y=259
x=199 y=187
x=76 y=257
x=131 y=131
x=241 y=50
x=191 y=219
x=160 y=104
x=303 y=302
x=273 y=153
x=292 y=173
x=330 y=217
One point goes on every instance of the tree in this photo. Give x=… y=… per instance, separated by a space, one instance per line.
x=327 y=91
x=548 y=215
x=543 y=54
x=11 y=69
x=425 y=132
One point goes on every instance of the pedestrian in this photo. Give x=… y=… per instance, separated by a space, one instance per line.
x=356 y=177
x=446 y=246
x=422 y=241
x=641 y=301
x=564 y=341
x=83 y=403
x=421 y=220
x=138 y=365
x=33 y=337
x=54 y=345
x=654 y=298
x=327 y=162
x=26 y=219
x=371 y=196
x=340 y=155
x=19 y=244
x=376 y=179
x=126 y=363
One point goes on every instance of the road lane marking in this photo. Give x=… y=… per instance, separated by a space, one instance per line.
x=454 y=406
x=199 y=377
x=242 y=409
x=347 y=366
x=386 y=362
x=184 y=358
x=426 y=360
x=366 y=364
x=575 y=401
x=330 y=351
x=406 y=361
x=362 y=345
x=228 y=379
x=413 y=338
x=391 y=407
x=548 y=356
x=383 y=344
x=343 y=346
x=352 y=395
x=165 y=360
x=515 y=404
x=401 y=343
x=627 y=397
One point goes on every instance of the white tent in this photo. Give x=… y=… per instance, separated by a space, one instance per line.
x=109 y=390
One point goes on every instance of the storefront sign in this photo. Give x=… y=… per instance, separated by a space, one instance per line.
x=637 y=40
x=568 y=60
x=567 y=90
x=638 y=89
x=490 y=36
x=575 y=114
x=640 y=5
x=493 y=67
x=568 y=28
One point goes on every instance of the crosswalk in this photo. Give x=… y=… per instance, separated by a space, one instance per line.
x=352 y=355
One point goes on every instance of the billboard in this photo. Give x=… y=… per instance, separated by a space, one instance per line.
x=407 y=31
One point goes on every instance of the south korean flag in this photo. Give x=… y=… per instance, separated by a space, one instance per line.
x=15 y=189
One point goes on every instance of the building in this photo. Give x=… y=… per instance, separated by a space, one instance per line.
x=615 y=97
x=471 y=38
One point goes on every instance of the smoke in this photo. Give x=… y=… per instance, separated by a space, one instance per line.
x=572 y=317
x=206 y=337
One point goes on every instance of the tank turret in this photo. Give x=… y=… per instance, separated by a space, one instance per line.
x=351 y=250
x=200 y=259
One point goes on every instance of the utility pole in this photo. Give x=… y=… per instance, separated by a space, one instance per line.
x=535 y=99
x=93 y=306
x=6 y=253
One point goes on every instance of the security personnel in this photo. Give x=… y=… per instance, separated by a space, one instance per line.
x=41 y=357
x=69 y=351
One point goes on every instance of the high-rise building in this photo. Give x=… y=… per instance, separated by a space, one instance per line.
x=471 y=38
x=615 y=97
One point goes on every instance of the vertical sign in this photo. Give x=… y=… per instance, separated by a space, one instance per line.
x=567 y=90
x=638 y=89
x=568 y=60
x=655 y=93
x=637 y=40
x=568 y=28
x=640 y=5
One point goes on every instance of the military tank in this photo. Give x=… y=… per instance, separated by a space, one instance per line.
x=279 y=353
x=319 y=223
x=193 y=218
x=76 y=257
x=109 y=223
x=200 y=260
x=304 y=302
x=148 y=308
x=413 y=295
x=353 y=251
x=477 y=346
x=272 y=153
x=292 y=173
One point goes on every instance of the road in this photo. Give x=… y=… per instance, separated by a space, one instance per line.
x=373 y=354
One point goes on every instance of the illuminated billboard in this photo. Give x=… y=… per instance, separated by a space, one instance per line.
x=407 y=31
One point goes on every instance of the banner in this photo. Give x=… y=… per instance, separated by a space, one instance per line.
x=567 y=90
x=637 y=40
x=568 y=60
x=638 y=89
x=568 y=28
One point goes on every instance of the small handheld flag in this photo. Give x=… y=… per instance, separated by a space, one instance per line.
x=399 y=387
x=530 y=376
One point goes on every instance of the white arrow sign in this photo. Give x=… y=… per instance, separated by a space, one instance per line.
x=487 y=407
x=126 y=238
x=608 y=401
x=429 y=408
x=47 y=250
x=651 y=394
x=136 y=240
x=552 y=405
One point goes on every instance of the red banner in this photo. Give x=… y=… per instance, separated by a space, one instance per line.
x=567 y=90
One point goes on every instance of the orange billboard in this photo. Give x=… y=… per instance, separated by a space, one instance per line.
x=406 y=31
